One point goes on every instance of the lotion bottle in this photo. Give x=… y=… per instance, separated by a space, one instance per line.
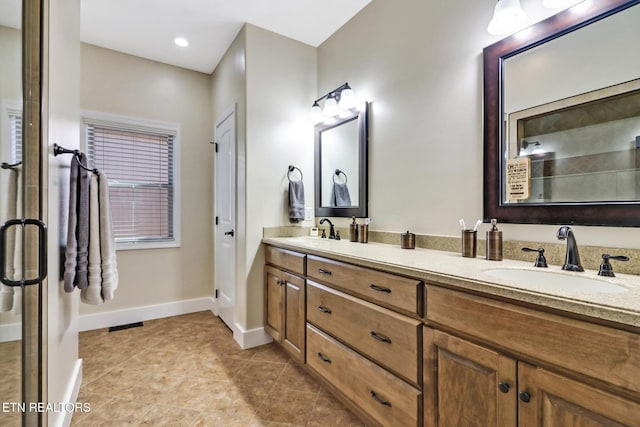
x=494 y=242
x=353 y=230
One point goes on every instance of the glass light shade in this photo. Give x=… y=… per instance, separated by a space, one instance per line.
x=330 y=107
x=347 y=99
x=559 y=4
x=508 y=17
x=316 y=113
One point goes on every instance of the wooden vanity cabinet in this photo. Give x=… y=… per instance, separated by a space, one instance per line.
x=285 y=295
x=473 y=384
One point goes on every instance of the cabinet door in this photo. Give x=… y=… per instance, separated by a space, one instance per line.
x=467 y=385
x=274 y=302
x=554 y=400
x=294 y=322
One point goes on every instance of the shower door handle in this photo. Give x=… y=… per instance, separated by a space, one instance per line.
x=42 y=251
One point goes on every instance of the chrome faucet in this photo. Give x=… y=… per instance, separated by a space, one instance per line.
x=572 y=258
x=332 y=231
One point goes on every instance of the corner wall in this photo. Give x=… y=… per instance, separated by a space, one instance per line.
x=272 y=81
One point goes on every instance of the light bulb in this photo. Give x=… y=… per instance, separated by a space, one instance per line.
x=330 y=107
x=347 y=99
x=508 y=17
x=316 y=113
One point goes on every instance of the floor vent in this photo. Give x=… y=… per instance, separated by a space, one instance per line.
x=127 y=326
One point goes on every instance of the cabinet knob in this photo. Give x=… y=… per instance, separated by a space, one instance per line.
x=525 y=397
x=504 y=387
x=323 y=271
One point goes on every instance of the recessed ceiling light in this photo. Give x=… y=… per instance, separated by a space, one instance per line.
x=181 y=42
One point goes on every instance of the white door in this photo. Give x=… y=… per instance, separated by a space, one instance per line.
x=225 y=217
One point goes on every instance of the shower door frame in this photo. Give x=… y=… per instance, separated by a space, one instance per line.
x=34 y=325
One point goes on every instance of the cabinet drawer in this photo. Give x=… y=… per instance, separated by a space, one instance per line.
x=380 y=394
x=289 y=260
x=384 y=288
x=389 y=338
x=604 y=353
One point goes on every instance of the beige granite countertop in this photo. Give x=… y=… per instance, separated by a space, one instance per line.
x=450 y=268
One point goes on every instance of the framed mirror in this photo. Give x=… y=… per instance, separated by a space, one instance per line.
x=562 y=119
x=341 y=165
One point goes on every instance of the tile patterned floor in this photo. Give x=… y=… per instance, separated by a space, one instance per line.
x=188 y=371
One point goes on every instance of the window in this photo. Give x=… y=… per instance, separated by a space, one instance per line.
x=140 y=162
x=15 y=125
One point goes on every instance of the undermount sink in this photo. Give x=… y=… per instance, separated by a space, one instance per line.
x=554 y=282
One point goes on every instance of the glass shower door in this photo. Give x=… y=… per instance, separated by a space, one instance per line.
x=21 y=340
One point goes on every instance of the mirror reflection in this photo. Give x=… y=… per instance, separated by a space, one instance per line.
x=572 y=108
x=561 y=119
x=339 y=160
x=341 y=165
x=10 y=180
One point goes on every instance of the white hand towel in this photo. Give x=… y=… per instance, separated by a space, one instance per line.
x=7 y=292
x=107 y=241
x=92 y=294
x=71 y=253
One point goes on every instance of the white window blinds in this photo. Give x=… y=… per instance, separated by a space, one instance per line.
x=140 y=167
x=15 y=121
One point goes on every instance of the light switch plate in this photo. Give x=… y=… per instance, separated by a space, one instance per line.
x=308 y=214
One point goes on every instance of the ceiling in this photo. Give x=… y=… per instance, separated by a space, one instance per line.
x=147 y=28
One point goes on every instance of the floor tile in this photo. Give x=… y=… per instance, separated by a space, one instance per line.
x=189 y=371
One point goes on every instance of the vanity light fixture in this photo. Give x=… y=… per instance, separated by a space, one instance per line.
x=537 y=147
x=508 y=17
x=337 y=101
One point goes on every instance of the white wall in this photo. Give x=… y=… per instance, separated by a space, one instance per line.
x=281 y=86
x=420 y=63
x=125 y=85
x=63 y=93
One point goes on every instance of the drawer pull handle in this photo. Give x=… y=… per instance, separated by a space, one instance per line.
x=379 y=289
x=380 y=401
x=323 y=358
x=324 y=309
x=380 y=337
x=504 y=387
x=323 y=271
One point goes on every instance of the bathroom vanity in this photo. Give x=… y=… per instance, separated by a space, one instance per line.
x=426 y=337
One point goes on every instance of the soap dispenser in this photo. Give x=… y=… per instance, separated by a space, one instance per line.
x=353 y=230
x=494 y=242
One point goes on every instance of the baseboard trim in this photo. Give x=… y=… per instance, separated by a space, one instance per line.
x=251 y=338
x=89 y=322
x=71 y=396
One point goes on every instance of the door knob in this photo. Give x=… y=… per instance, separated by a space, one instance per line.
x=229 y=233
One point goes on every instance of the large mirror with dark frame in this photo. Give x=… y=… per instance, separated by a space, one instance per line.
x=562 y=119
x=341 y=165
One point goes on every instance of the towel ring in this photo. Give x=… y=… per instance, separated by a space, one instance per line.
x=338 y=172
x=291 y=169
